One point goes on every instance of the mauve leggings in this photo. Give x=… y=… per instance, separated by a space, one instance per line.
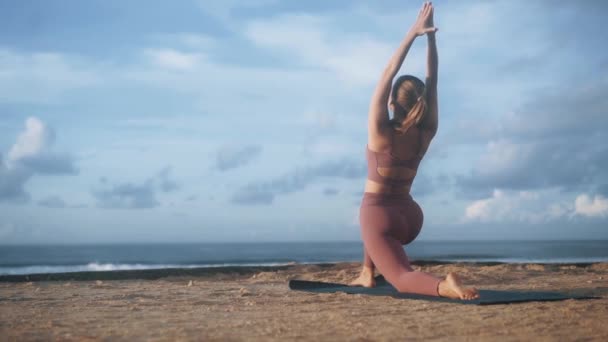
x=389 y=221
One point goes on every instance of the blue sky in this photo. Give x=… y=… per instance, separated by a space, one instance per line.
x=201 y=121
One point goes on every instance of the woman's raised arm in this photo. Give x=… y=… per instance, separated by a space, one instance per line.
x=378 y=109
x=431 y=120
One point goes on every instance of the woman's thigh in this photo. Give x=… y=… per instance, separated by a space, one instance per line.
x=378 y=219
x=381 y=238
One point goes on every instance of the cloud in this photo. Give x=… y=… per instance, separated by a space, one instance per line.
x=561 y=111
x=320 y=120
x=231 y=157
x=553 y=140
x=520 y=166
x=424 y=185
x=52 y=202
x=12 y=182
x=32 y=151
x=127 y=196
x=132 y=195
x=517 y=206
x=330 y=147
x=32 y=141
x=42 y=77
x=166 y=184
x=50 y=164
x=534 y=207
x=31 y=155
x=330 y=191
x=591 y=207
x=253 y=195
x=356 y=58
x=212 y=84
x=265 y=192
x=195 y=41
x=173 y=59
x=603 y=189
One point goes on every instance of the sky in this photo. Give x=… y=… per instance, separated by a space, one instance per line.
x=213 y=121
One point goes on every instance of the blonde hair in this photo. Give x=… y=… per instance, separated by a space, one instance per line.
x=409 y=92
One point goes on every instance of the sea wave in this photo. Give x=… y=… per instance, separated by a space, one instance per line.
x=101 y=267
x=104 y=267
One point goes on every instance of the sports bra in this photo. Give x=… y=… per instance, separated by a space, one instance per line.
x=386 y=159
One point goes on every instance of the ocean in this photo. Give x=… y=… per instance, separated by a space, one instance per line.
x=73 y=258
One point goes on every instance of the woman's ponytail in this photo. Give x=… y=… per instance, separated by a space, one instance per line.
x=415 y=114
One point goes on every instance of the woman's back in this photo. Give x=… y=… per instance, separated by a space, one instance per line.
x=393 y=159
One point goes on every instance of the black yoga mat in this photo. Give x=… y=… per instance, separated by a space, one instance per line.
x=486 y=297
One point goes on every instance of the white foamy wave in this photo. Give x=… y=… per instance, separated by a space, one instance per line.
x=93 y=266
x=98 y=267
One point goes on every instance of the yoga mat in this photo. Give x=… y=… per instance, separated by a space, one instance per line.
x=383 y=288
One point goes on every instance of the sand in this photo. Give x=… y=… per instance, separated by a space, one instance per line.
x=255 y=304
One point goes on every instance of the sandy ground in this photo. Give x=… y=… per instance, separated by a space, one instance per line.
x=256 y=304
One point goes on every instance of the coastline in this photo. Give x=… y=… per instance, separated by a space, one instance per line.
x=254 y=303
x=158 y=273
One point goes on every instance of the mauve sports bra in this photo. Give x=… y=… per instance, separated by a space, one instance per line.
x=386 y=159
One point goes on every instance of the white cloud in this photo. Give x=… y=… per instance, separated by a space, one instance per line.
x=488 y=208
x=30 y=155
x=501 y=156
x=221 y=89
x=357 y=58
x=173 y=59
x=518 y=206
x=190 y=40
x=42 y=76
x=591 y=207
x=332 y=148
x=32 y=141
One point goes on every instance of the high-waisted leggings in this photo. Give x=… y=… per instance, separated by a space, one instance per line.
x=389 y=221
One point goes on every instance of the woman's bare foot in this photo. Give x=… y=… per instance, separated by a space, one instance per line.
x=365 y=279
x=451 y=287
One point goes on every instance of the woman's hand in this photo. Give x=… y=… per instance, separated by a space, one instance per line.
x=424 y=22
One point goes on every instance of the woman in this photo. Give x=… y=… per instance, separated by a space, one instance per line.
x=389 y=215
